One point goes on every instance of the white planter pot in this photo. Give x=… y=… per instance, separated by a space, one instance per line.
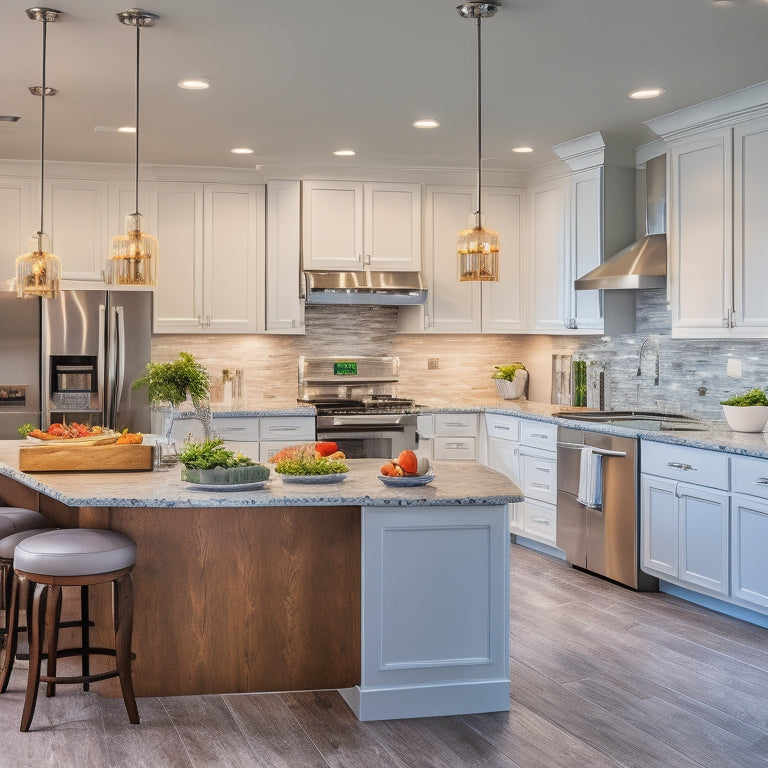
x=746 y=418
x=515 y=389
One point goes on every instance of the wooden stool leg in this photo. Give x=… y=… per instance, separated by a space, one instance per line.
x=5 y=578
x=52 y=618
x=12 y=615
x=36 y=627
x=85 y=635
x=123 y=622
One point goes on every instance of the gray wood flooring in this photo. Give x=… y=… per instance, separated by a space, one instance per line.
x=602 y=677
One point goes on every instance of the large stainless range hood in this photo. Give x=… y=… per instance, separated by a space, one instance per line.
x=369 y=287
x=643 y=264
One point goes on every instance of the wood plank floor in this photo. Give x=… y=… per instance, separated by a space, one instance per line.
x=602 y=677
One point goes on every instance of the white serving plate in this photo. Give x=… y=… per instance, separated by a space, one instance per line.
x=228 y=486
x=407 y=481
x=337 y=477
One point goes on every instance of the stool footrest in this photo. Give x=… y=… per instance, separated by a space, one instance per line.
x=79 y=679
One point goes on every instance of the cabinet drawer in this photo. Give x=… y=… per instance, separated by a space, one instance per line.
x=540 y=520
x=539 y=478
x=455 y=448
x=679 y=462
x=538 y=434
x=243 y=429
x=455 y=424
x=290 y=429
x=749 y=476
x=503 y=427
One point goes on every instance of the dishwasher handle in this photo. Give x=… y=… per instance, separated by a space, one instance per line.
x=598 y=451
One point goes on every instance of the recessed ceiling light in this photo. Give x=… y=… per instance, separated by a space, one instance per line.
x=194 y=83
x=522 y=150
x=426 y=122
x=645 y=93
x=345 y=152
x=241 y=151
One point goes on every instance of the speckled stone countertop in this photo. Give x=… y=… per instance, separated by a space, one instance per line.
x=455 y=484
x=716 y=435
x=282 y=409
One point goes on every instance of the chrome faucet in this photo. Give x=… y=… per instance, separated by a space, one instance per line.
x=640 y=359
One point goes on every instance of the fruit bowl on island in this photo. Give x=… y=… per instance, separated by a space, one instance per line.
x=406 y=470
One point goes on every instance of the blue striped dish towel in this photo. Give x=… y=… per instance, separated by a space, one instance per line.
x=590 y=478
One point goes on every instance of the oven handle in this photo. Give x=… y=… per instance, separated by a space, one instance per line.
x=599 y=451
x=355 y=431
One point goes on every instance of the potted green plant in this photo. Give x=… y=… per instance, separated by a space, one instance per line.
x=172 y=383
x=511 y=381
x=212 y=463
x=748 y=412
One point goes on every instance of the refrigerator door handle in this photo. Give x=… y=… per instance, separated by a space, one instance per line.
x=101 y=363
x=119 y=365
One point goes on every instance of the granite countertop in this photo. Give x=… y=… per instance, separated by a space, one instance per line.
x=455 y=484
x=716 y=435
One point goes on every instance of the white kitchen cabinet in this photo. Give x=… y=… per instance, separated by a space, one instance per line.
x=17 y=222
x=361 y=225
x=685 y=523
x=284 y=308
x=212 y=256
x=453 y=436
x=470 y=307
x=503 y=453
x=538 y=480
x=76 y=213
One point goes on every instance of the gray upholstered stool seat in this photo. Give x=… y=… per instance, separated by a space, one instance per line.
x=75 y=552
x=8 y=543
x=15 y=519
x=78 y=557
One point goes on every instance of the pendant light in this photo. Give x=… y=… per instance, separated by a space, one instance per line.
x=135 y=255
x=477 y=246
x=38 y=272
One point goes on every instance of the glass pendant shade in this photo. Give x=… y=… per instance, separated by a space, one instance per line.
x=38 y=272
x=477 y=249
x=134 y=256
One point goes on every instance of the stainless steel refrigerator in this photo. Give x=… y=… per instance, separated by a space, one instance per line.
x=19 y=362
x=94 y=345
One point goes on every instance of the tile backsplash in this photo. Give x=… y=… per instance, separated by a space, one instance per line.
x=465 y=362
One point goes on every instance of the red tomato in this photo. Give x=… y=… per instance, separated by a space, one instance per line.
x=58 y=430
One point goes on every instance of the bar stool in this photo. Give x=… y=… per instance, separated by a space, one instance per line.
x=14 y=520
x=76 y=557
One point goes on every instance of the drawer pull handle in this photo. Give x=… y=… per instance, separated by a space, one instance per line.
x=680 y=465
x=540 y=520
x=545 y=486
x=542 y=469
x=539 y=435
x=761 y=481
x=455 y=424
x=455 y=446
x=501 y=426
x=281 y=429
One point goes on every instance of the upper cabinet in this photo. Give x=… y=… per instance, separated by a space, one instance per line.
x=469 y=307
x=211 y=257
x=17 y=222
x=353 y=225
x=285 y=310
x=717 y=231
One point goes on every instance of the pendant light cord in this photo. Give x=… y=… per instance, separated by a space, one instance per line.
x=42 y=128
x=479 y=122
x=138 y=51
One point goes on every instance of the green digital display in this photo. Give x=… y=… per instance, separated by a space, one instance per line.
x=345 y=368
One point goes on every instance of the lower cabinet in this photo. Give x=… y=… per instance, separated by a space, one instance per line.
x=448 y=436
x=749 y=541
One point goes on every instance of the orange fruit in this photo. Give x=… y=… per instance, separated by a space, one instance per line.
x=408 y=461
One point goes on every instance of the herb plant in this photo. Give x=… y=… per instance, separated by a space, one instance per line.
x=210 y=454
x=753 y=397
x=308 y=465
x=507 y=372
x=172 y=382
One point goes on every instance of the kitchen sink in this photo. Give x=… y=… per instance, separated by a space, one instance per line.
x=648 y=420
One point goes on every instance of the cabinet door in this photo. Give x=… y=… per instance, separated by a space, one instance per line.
x=16 y=222
x=285 y=310
x=76 y=212
x=699 y=236
x=703 y=543
x=750 y=227
x=233 y=258
x=547 y=243
x=332 y=224
x=658 y=525
x=392 y=226
x=586 y=247
x=749 y=543
x=177 y=209
x=503 y=309
x=504 y=457
x=452 y=306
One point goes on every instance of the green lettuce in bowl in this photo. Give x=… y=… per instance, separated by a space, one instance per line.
x=212 y=463
x=748 y=412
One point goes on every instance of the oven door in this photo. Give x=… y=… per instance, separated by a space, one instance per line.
x=370 y=441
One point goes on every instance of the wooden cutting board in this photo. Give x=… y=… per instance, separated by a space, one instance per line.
x=85 y=458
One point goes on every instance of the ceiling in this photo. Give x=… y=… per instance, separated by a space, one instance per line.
x=297 y=80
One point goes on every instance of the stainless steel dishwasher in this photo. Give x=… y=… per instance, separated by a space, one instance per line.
x=606 y=540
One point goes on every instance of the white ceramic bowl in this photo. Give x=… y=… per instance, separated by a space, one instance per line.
x=746 y=418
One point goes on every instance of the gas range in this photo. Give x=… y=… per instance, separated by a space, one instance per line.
x=380 y=405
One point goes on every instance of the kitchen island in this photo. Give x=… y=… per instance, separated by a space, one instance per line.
x=396 y=597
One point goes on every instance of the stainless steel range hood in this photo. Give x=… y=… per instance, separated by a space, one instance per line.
x=643 y=264
x=369 y=287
